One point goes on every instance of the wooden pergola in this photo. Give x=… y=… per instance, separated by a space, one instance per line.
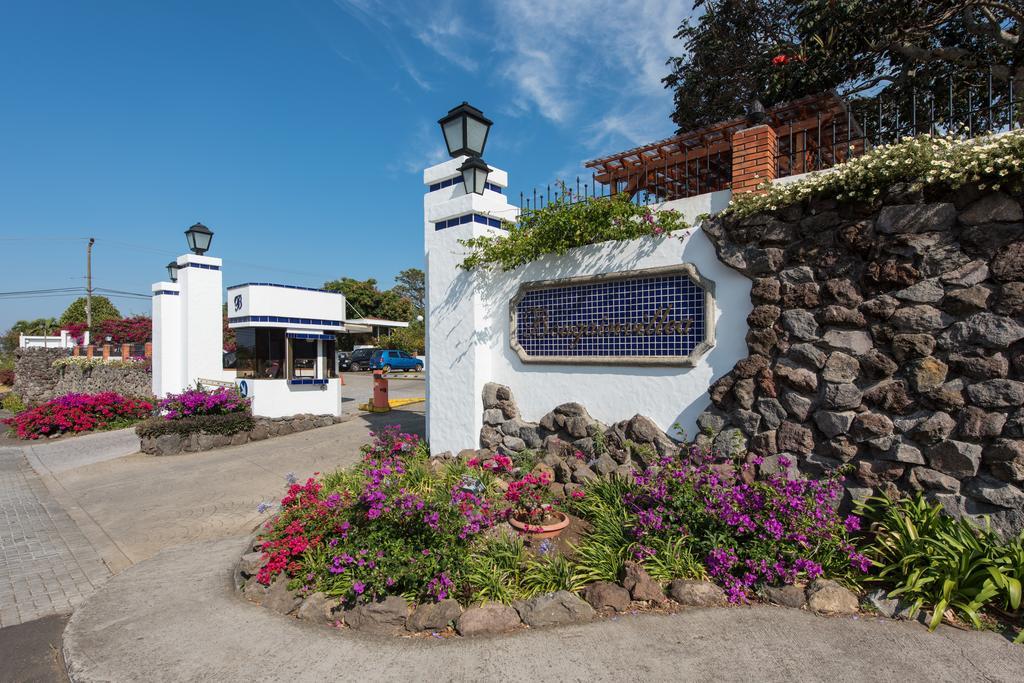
x=813 y=132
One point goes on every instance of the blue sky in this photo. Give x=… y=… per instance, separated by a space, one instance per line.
x=296 y=130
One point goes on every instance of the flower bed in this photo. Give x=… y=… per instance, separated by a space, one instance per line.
x=199 y=420
x=401 y=526
x=75 y=413
x=195 y=402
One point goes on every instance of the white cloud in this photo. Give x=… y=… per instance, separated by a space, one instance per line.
x=423 y=150
x=608 y=55
x=592 y=65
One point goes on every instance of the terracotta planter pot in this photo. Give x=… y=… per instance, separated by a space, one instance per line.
x=539 y=531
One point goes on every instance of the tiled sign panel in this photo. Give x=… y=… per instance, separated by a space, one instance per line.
x=661 y=316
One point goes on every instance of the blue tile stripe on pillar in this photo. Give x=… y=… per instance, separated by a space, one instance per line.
x=468 y=218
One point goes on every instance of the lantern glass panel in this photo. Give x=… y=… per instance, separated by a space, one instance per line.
x=202 y=240
x=453 y=134
x=480 y=182
x=476 y=136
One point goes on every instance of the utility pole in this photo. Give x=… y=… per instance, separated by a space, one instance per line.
x=88 y=283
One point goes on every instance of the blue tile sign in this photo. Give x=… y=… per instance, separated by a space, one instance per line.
x=659 y=316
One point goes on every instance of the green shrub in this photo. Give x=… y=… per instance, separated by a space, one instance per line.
x=933 y=560
x=567 y=223
x=13 y=403
x=227 y=424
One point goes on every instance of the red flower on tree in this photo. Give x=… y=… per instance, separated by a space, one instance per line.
x=780 y=60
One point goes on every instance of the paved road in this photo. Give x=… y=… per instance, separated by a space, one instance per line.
x=359 y=388
x=184 y=623
x=47 y=564
x=87 y=510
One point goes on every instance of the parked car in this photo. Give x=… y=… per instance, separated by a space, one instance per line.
x=344 y=360
x=388 y=359
x=360 y=359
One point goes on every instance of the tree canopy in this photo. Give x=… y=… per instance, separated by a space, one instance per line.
x=102 y=310
x=367 y=300
x=781 y=50
x=411 y=283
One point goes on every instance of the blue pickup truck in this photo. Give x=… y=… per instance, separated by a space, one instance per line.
x=388 y=360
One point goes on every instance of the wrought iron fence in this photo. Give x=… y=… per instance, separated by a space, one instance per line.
x=967 y=107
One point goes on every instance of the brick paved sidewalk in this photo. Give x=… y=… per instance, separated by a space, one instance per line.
x=47 y=566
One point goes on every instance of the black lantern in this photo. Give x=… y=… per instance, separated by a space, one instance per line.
x=172 y=271
x=465 y=131
x=199 y=238
x=755 y=113
x=474 y=175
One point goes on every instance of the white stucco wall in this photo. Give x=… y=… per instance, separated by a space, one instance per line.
x=280 y=301
x=279 y=398
x=202 y=325
x=167 y=352
x=459 y=363
x=468 y=329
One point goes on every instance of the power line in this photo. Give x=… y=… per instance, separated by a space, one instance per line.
x=43 y=291
x=121 y=291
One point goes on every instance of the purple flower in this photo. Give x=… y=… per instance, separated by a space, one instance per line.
x=358 y=587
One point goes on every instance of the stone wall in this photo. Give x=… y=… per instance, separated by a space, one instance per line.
x=37 y=381
x=887 y=336
x=264 y=428
x=35 y=378
x=133 y=381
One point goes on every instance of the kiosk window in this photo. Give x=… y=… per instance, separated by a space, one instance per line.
x=261 y=353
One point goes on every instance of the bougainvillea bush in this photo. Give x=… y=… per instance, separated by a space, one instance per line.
x=388 y=527
x=749 y=532
x=79 y=413
x=135 y=330
x=220 y=401
x=399 y=524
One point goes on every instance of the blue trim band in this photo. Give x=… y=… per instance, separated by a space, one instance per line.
x=458 y=179
x=273 y=284
x=304 y=335
x=282 y=319
x=468 y=218
x=204 y=266
x=169 y=292
x=307 y=381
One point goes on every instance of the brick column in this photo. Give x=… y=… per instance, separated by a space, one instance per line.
x=106 y=352
x=149 y=349
x=754 y=152
x=76 y=350
x=126 y=351
x=89 y=351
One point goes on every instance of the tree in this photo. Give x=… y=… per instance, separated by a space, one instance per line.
x=411 y=283
x=102 y=310
x=856 y=47
x=38 y=328
x=409 y=339
x=367 y=301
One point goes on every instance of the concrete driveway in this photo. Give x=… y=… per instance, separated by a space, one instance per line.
x=75 y=511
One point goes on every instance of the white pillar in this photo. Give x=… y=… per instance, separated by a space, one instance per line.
x=202 y=328
x=167 y=351
x=458 y=364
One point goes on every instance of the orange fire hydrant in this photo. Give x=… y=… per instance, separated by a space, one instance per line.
x=380 y=392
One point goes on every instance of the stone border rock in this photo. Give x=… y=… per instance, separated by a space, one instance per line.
x=636 y=592
x=575 y=446
x=265 y=428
